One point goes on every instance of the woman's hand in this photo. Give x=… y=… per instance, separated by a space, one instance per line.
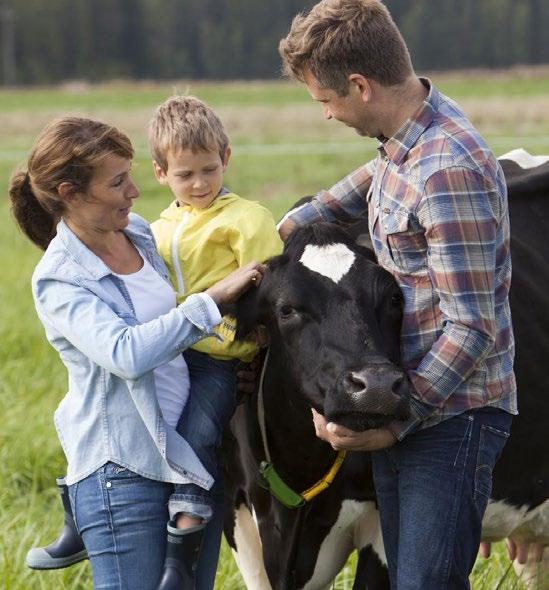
x=232 y=286
x=342 y=438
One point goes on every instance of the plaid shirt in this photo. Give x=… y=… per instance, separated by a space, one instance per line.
x=436 y=201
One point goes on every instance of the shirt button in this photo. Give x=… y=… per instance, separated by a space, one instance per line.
x=109 y=484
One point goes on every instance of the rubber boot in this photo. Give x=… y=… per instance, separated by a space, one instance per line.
x=182 y=553
x=67 y=549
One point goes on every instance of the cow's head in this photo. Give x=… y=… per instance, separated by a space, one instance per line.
x=333 y=317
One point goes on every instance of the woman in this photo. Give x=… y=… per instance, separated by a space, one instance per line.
x=99 y=277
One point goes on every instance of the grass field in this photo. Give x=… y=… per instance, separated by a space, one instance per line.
x=282 y=149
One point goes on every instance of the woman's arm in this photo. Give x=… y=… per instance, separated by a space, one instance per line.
x=93 y=327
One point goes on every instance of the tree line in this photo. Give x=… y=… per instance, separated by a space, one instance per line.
x=52 y=40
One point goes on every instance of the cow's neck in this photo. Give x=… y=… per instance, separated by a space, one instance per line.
x=300 y=458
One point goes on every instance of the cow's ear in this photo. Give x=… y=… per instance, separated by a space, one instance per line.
x=246 y=312
x=251 y=309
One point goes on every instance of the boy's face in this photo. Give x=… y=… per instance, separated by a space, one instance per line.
x=195 y=178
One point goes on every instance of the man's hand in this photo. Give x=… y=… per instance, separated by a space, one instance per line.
x=287 y=228
x=342 y=438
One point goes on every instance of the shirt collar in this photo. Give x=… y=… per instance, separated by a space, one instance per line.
x=398 y=146
x=90 y=261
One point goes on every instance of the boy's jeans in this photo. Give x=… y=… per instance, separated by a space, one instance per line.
x=211 y=404
x=432 y=489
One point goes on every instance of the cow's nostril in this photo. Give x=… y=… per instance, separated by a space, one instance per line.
x=378 y=380
x=397 y=384
x=401 y=387
x=355 y=382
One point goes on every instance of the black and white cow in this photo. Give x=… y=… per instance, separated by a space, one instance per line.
x=333 y=319
x=519 y=507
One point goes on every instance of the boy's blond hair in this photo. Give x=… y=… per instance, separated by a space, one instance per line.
x=185 y=122
x=342 y=37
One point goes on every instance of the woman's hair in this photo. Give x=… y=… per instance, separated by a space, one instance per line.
x=342 y=37
x=67 y=150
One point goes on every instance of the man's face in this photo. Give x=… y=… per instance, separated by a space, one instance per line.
x=350 y=109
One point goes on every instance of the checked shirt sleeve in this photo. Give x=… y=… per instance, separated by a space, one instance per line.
x=460 y=212
x=345 y=201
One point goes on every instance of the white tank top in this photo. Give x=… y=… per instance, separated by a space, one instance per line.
x=152 y=297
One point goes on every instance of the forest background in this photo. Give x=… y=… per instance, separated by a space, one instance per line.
x=47 y=41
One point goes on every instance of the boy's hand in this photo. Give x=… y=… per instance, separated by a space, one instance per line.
x=232 y=286
x=248 y=377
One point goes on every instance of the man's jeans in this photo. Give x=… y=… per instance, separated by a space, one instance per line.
x=432 y=490
x=211 y=404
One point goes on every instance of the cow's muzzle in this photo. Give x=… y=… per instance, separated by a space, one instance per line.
x=369 y=398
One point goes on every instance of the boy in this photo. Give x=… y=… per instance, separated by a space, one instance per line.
x=203 y=235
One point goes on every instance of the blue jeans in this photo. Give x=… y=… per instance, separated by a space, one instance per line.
x=211 y=404
x=122 y=517
x=432 y=490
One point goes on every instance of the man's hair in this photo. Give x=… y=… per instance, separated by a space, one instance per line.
x=185 y=122
x=342 y=37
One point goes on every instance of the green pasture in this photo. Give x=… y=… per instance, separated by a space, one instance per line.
x=282 y=149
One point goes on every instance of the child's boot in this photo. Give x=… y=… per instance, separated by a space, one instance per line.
x=67 y=549
x=182 y=553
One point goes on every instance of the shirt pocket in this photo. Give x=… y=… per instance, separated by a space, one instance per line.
x=405 y=240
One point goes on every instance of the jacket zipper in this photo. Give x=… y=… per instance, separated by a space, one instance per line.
x=175 y=254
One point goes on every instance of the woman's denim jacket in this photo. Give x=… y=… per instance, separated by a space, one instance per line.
x=110 y=412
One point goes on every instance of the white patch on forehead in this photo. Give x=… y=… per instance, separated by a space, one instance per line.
x=525 y=160
x=332 y=261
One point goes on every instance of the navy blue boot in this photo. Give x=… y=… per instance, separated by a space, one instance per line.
x=182 y=553
x=67 y=549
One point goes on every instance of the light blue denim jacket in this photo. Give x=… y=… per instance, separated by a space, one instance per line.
x=110 y=412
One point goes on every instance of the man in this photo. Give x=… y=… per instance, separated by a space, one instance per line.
x=437 y=208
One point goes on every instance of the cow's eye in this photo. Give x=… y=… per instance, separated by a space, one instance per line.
x=286 y=311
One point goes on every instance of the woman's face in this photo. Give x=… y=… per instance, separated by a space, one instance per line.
x=106 y=204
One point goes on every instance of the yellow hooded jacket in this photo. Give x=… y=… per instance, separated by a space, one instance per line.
x=201 y=246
